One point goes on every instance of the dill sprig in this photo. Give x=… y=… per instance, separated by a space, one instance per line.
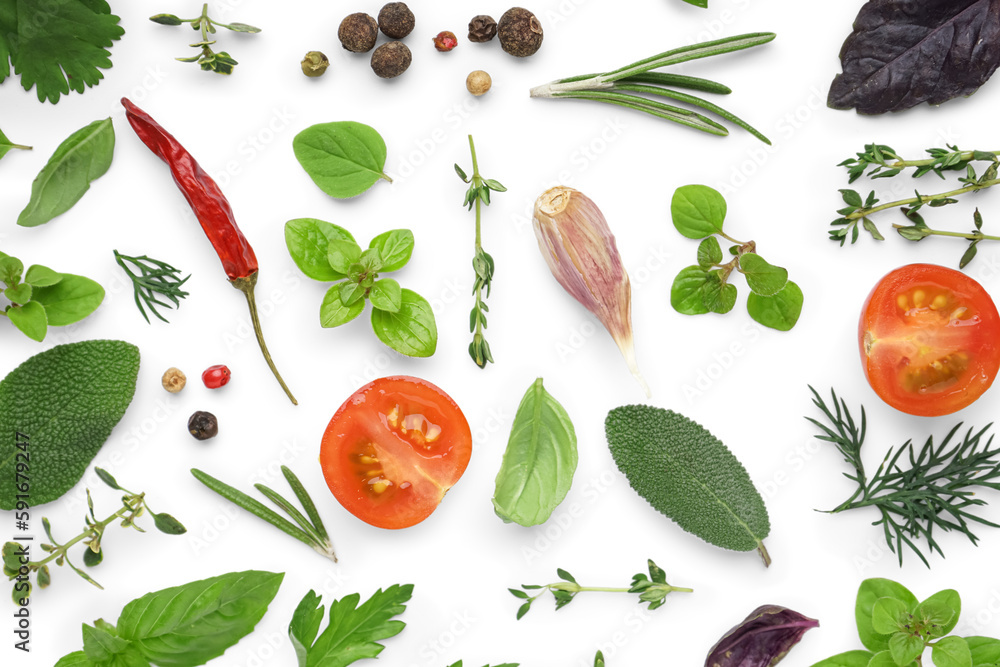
x=155 y=277
x=935 y=492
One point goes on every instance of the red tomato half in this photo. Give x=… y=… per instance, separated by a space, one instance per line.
x=393 y=450
x=930 y=340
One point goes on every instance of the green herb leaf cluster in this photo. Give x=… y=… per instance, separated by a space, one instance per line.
x=82 y=158
x=478 y=195
x=881 y=161
x=652 y=589
x=698 y=212
x=40 y=297
x=689 y=475
x=897 y=630
x=154 y=277
x=344 y=159
x=540 y=460
x=57 y=45
x=353 y=632
x=401 y=318
x=183 y=626
x=133 y=506
x=6 y=145
x=66 y=400
x=209 y=60
x=935 y=493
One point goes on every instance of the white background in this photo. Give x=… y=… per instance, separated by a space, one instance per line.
x=463 y=558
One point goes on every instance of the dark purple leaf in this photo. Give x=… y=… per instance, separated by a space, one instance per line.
x=761 y=640
x=906 y=52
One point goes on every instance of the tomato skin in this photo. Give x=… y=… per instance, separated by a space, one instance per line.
x=393 y=449
x=929 y=338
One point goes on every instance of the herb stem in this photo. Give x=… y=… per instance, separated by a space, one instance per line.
x=92 y=531
x=922 y=199
x=972 y=236
x=966 y=156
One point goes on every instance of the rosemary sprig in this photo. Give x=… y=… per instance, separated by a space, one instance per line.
x=935 y=492
x=880 y=161
x=652 y=589
x=209 y=60
x=154 y=277
x=309 y=530
x=478 y=195
x=133 y=506
x=631 y=85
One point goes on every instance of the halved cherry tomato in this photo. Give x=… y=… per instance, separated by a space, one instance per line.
x=929 y=339
x=393 y=450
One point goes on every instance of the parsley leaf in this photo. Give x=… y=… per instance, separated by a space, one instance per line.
x=57 y=47
x=353 y=630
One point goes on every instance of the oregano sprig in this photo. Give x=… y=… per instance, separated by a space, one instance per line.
x=652 y=589
x=478 y=195
x=210 y=61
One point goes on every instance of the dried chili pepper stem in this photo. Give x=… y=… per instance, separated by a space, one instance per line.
x=246 y=286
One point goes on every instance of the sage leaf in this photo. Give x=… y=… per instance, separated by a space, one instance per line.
x=308 y=242
x=780 y=311
x=687 y=291
x=30 y=320
x=848 y=659
x=191 y=624
x=412 y=330
x=951 y=651
x=763 y=278
x=394 y=247
x=333 y=312
x=386 y=295
x=67 y=400
x=41 y=276
x=697 y=211
x=709 y=253
x=539 y=462
x=341 y=254
x=6 y=144
x=344 y=159
x=689 y=475
x=870 y=591
x=69 y=300
x=762 y=639
x=82 y=158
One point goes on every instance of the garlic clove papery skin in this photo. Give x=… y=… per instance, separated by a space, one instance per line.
x=574 y=238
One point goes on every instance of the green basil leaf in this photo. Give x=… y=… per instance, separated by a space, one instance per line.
x=780 y=311
x=351 y=293
x=191 y=624
x=539 y=462
x=394 y=247
x=344 y=159
x=11 y=269
x=100 y=645
x=82 y=158
x=985 y=650
x=763 y=278
x=5 y=143
x=941 y=610
x=386 y=295
x=70 y=300
x=41 y=276
x=20 y=294
x=718 y=297
x=76 y=659
x=67 y=399
x=951 y=652
x=709 y=252
x=849 y=659
x=698 y=211
x=333 y=312
x=304 y=626
x=889 y=615
x=30 y=320
x=905 y=648
x=412 y=330
x=308 y=243
x=868 y=593
x=341 y=254
x=686 y=294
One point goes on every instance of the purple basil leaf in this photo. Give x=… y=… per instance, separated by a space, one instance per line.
x=761 y=640
x=903 y=53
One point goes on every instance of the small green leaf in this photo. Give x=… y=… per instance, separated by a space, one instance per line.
x=977 y=218
x=709 y=252
x=351 y=293
x=100 y=644
x=41 y=276
x=564 y=575
x=386 y=295
x=412 y=330
x=763 y=278
x=889 y=615
x=870 y=591
x=168 y=524
x=11 y=269
x=394 y=247
x=30 y=320
x=905 y=648
x=20 y=294
x=698 y=211
x=495 y=186
x=521 y=595
x=344 y=159
x=883 y=659
x=852 y=198
x=341 y=254
x=523 y=609
x=166 y=19
x=686 y=293
x=717 y=296
x=92 y=558
x=780 y=311
x=6 y=144
x=308 y=242
x=985 y=650
x=942 y=609
x=70 y=300
x=951 y=652
x=461 y=173
x=371 y=260
x=333 y=312
x=242 y=27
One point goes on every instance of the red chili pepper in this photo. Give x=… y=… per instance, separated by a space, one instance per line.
x=213 y=212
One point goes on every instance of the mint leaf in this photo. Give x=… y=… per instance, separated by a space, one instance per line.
x=687 y=292
x=780 y=311
x=308 y=242
x=412 y=330
x=698 y=211
x=344 y=159
x=394 y=247
x=333 y=312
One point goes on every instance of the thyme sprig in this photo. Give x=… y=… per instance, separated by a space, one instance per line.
x=881 y=161
x=478 y=195
x=133 y=506
x=209 y=60
x=935 y=491
x=652 y=589
x=154 y=277
x=631 y=86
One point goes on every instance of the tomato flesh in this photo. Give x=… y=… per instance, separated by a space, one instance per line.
x=393 y=449
x=929 y=339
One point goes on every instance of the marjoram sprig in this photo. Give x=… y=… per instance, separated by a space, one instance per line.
x=209 y=60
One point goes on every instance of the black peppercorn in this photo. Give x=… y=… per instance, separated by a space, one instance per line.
x=482 y=28
x=358 y=32
x=520 y=32
x=203 y=425
x=396 y=20
x=391 y=59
